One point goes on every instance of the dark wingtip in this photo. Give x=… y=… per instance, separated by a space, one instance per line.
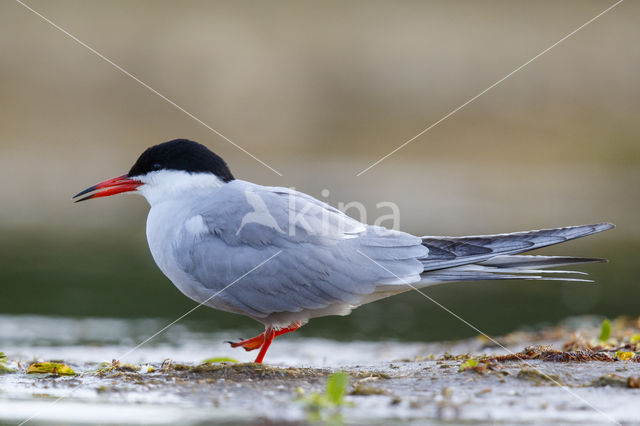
x=576 y=260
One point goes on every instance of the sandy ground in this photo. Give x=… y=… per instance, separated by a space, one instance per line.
x=390 y=382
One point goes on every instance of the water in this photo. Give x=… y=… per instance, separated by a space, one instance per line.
x=405 y=389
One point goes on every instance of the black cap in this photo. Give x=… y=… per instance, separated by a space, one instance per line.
x=181 y=154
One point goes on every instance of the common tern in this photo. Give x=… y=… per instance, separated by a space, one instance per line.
x=283 y=257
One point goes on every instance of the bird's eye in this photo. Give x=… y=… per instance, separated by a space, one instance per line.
x=157 y=166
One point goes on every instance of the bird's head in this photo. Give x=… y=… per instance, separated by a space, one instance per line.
x=166 y=170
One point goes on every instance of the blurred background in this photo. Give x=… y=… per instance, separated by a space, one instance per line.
x=319 y=91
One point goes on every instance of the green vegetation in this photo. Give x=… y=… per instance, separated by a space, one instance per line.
x=325 y=407
x=605 y=331
x=219 y=359
x=3 y=364
x=51 y=368
x=624 y=355
x=468 y=364
x=337 y=387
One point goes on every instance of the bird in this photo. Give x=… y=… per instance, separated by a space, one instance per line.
x=282 y=257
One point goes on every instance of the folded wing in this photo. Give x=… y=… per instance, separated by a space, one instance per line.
x=320 y=255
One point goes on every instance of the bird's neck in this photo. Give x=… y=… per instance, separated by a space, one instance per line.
x=173 y=185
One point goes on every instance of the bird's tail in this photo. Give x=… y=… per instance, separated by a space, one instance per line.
x=494 y=257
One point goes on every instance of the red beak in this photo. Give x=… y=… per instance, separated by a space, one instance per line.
x=110 y=187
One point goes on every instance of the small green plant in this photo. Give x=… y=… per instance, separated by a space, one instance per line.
x=333 y=397
x=337 y=388
x=468 y=364
x=624 y=355
x=219 y=359
x=605 y=330
x=50 y=368
x=3 y=364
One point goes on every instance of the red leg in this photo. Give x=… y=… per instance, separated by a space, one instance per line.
x=249 y=344
x=264 y=340
x=268 y=338
x=292 y=327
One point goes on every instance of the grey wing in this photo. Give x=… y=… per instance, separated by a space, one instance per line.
x=448 y=252
x=493 y=257
x=318 y=256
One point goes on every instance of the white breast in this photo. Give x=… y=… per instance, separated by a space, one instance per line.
x=174 y=196
x=163 y=223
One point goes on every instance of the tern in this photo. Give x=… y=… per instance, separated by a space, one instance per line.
x=283 y=257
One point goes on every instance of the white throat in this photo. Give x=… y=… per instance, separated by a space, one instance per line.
x=167 y=185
